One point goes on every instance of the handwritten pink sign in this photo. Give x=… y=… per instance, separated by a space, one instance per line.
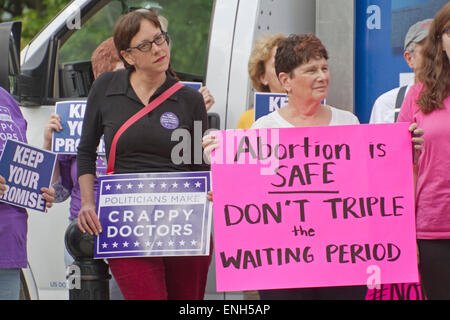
x=397 y=291
x=314 y=207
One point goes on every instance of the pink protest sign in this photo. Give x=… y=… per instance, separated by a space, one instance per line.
x=314 y=207
x=397 y=291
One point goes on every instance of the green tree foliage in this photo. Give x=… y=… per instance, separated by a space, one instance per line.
x=34 y=14
x=189 y=22
x=98 y=28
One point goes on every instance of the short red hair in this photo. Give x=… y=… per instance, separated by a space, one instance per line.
x=104 y=58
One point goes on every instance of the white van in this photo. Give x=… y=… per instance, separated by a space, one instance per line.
x=211 y=43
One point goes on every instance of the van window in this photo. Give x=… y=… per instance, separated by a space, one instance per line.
x=188 y=27
x=83 y=42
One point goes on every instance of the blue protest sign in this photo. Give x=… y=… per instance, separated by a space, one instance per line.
x=266 y=103
x=26 y=170
x=153 y=214
x=72 y=114
x=193 y=85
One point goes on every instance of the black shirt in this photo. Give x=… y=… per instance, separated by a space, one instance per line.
x=146 y=146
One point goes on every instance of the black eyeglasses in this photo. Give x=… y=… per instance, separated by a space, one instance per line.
x=146 y=45
x=447 y=31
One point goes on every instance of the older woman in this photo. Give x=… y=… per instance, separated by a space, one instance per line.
x=302 y=68
x=261 y=69
x=144 y=147
x=428 y=104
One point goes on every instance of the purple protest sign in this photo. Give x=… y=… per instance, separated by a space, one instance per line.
x=72 y=115
x=154 y=214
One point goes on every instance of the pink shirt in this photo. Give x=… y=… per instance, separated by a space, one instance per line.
x=433 y=181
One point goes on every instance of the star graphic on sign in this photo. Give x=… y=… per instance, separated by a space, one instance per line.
x=119 y=186
x=108 y=187
x=104 y=245
x=186 y=184
x=159 y=243
x=147 y=243
x=115 y=244
x=136 y=244
x=152 y=185
x=198 y=184
x=125 y=244
x=182 y=242
x=174 y=185
x=170 y=243
x=194 y=242
x=140 y=185
x=129 y=186
x=163 y=185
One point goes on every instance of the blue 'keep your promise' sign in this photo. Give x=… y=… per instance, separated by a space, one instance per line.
x=26 y=170
x=72 y=114
x=154 y=214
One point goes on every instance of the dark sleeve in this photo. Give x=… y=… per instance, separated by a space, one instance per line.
x=200 y=116
x=92 y=130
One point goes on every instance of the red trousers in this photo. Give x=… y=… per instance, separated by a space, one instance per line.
x=161 y=278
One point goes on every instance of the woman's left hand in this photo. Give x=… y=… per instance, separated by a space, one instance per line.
x=207 y=97
x=417 y=134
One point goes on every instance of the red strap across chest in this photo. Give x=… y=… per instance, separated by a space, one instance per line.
x=151 y=106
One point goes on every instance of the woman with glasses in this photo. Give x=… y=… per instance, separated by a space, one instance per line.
x=144 y=147
x=428 y=104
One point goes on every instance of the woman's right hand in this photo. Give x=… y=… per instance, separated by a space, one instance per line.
x=53 y=124
x=209 y=143
x=88 y=220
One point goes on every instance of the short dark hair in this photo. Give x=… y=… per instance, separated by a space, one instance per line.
x=296 y=50
x=128 y=26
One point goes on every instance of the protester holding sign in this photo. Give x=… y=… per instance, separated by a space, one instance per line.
x=261 y=69
x=302 y=68
x=428 y=104
x=13 y=220
x=144 y=146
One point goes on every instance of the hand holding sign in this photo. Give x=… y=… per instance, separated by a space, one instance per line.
x=53 y=124
x=67 y=127
x=87 y=218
